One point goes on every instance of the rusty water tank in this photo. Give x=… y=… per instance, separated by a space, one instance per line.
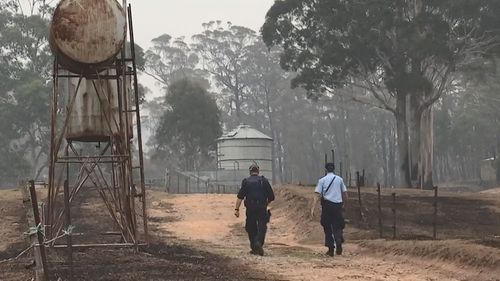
x=95 y=115
x=87 y=34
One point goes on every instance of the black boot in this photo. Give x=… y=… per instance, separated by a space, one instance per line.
x=258 y=249
x=339 y=249
x=330 y=251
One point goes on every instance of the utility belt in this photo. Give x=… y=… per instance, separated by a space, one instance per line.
x=325 y=203
x=255 y=203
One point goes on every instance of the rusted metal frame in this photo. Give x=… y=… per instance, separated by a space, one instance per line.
x=55 y=192
x=56 y=147
x=118 y=245
x=122 y=108
x=106 y=184
x=113 y=185
x=124 y=190
x=128 y=161
x=78 y=157
x=53 y=120
x=118 y=179
x=98 y=184
x=125 y=183
x=83 y=161
x=92 y=76
x=138 y=120
x=128 y=206
x=122 y=180
x=106 y=117
x=68 y=115
x=36 y=216
x=118 y=184
x=80 y=174
x=124 y=229
x=88 y=159
x=84 y=165
x=124 y=133
x=67 y=222
x=106 y=202
x=133 y=212
x=74 y=191
x=112 y=194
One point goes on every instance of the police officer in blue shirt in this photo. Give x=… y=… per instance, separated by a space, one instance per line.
x=332 y=193
x=257 y=193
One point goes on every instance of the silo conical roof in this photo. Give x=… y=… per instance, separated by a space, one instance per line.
x=244 y=131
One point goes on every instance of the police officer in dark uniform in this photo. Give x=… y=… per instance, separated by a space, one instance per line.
x=257 y=193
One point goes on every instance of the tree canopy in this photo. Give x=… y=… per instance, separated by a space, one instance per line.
x=394 y=50
x=407 y=43
x=191 y=124
x=24 y=91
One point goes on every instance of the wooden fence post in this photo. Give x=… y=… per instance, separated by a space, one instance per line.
x=394 y=215
x=39 y=251
x=379 y=205
x=434 y=222
x=178 y=183
x=358 y=183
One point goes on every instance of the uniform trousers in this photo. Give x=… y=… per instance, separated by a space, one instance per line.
x=256 y=225
x=333 y=223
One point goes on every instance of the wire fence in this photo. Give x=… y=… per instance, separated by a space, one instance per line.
x=424 y=214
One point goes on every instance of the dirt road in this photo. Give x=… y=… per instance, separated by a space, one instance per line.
x=206 y=221
x=197 y=237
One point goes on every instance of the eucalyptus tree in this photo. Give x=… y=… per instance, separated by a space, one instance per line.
x=470 y=117
x=223 y=48
x=25 y=88
x=170 y=59
x=398 y=51
x=267 y=84
x=190 y=126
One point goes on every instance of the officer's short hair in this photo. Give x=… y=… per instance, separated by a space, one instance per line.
x=330 y=167
x=253 y=168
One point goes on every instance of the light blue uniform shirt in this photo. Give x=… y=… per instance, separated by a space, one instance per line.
x=334 y=193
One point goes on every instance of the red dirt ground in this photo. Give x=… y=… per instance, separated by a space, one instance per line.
x=196 y=237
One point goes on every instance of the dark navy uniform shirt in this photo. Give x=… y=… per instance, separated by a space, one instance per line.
x=256 y=190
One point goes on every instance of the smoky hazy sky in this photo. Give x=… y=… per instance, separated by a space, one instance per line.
x=184 y=17
x=153 y=18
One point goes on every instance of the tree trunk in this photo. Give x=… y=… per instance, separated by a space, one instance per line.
x=237 y=104
x=280 y=156
x=385 y=158
x=402 y=140
x=392 y=156
x=414 y=136
x=269 y=114
x=426 y=148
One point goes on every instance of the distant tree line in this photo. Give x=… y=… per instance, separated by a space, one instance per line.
x=357 y=63
x=407 y=90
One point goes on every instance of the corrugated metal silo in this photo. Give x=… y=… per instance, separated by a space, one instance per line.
x=238 y=149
